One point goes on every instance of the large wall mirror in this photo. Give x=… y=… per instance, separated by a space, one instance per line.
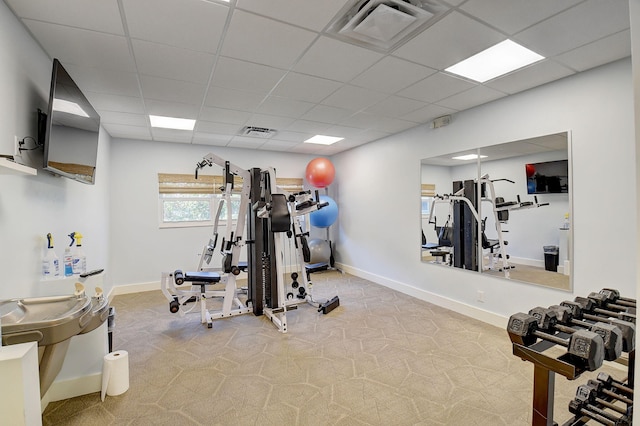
x=503 y=210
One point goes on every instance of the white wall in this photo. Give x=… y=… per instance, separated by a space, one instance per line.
x=32 y=206
x=634 y=14
x=141 y=251
x=379 y=239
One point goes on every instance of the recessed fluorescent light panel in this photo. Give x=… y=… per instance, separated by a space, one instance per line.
x=495 y=61
x=172 y=122
x=468 y=157
x=323 y=140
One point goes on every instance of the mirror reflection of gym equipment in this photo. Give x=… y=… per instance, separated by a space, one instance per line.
x=504 y=211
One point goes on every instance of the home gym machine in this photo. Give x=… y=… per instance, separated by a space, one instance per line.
x=467 y=242
x=265 y=213
x=574 y=337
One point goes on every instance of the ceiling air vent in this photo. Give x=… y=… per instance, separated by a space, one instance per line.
x=257 y=132
x=385 y=24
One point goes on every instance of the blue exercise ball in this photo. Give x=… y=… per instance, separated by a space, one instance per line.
x=326 y=216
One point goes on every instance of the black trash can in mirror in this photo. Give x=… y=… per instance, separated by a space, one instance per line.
x=551 y=258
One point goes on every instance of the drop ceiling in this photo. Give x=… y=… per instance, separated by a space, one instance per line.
x=275 y=64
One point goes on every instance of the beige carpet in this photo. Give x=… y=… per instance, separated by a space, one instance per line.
x=524 y=273
x=535 y=275
x=381 y=358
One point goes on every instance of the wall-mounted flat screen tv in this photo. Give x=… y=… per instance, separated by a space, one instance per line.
x=549 y=177
x=71 y=130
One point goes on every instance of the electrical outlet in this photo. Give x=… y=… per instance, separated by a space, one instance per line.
x=480 y=296
x=16 y=148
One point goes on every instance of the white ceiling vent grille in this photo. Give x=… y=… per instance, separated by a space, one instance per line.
x=258 y=132
x=385 y=24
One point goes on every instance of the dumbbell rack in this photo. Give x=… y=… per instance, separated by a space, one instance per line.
x=545 y=368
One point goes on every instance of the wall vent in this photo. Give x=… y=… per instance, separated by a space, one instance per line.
x=258 y=132
x=385 y=24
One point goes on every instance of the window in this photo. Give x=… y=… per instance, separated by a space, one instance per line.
x=186 y=201
x=428 y=191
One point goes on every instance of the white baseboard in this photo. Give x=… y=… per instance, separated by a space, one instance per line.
x=527 y=262
x=427 y=296
x=133 y=288
x=71 y=388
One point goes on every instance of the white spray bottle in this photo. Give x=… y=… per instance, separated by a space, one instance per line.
x=50 y=263
x=79 y=258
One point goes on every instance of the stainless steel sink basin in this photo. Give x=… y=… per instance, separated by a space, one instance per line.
x=46 y=320
x=52 y=322
x=99 y=311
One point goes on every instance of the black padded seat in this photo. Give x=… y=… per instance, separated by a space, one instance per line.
x=243 y=266
x=202 y=277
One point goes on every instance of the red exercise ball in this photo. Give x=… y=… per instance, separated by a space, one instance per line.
x=531 y=170
x=320 y=172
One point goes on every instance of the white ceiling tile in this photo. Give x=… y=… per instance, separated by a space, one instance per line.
x=165 y=89
x=336 y=60
x=427 y=113
x=305 y=87
x=129 y=119
x=246 y=142
x=217 y=128
x=191 y=24
x=96 y=15
x=391 y=74
x=370 y=136
x=211 y=139
x=106 y=102
x=78 y=47
x=306 y=126
x=104 y=81
x=270 y=121
x=171 y=109
x=327 y=114
x=470 y=98
x=311 y=14
x=436 y=87
x=598 y=53
x=128 y=132
x=233 y=99
x=160 y=60
x=287 y=136
x=512 y=16
x=171 y=135
x=354 y=98
x=257 y=39
x=575 y=27
x=278 y=145
x=285 y=107
x=464 y=37
x=221 y=115
x=539 y=73
x=378 y=123
x=343 y=131
x=395 y=106
x=242 y=75
x=104 y=43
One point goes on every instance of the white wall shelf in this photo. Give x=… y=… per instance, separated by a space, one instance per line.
x=8 y=167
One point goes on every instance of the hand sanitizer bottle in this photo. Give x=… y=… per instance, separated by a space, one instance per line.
x=68 y=257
